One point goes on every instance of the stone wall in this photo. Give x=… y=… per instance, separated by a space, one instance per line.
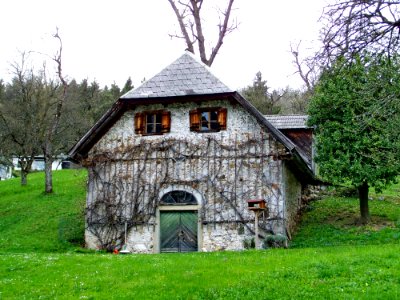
x=129 y=173
x=293 y=195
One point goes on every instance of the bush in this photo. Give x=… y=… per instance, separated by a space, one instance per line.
x=275 y=241
x=249 y=243
x=71 y=229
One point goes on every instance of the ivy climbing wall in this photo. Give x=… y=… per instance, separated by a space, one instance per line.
x=129 y=173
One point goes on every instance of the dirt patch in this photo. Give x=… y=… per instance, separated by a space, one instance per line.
x=351 y=219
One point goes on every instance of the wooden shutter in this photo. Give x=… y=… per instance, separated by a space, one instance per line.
x=166 y=121
x=222 y=117
x=194 y=120
x=140 y=123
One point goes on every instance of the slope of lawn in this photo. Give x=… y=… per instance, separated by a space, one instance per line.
x=333 y=221
x=330 y=257
x=31 y=221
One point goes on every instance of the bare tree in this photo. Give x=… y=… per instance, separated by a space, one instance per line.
x=19 y=117
x=294 y=101
x=53 y=125
x=188 y=14
x=307 y=68
x=353 y=26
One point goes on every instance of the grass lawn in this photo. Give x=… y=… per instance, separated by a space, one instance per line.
x=31 y=221
x=329 y=257
x=332 y=221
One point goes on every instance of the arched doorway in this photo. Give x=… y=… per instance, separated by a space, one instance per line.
x=178 y=222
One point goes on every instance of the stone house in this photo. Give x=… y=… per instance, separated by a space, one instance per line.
x=174 y=162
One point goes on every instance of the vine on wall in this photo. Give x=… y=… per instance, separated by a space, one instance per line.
x=125 y=181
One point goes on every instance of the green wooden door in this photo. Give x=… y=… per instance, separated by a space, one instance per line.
x=178 y=231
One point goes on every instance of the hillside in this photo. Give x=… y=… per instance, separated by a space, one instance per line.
x=34 y=222
x=330 y=257
x=31 y=221
x=333 y=220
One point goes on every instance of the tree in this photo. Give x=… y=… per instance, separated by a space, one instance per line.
x=307 y=68
x=30 y=115
x=356 y=142
x=353 y=26
x=20 y=105
x=127 y=87
x=258 y=94
x=294 y=101
x=58 y=93
x=191 y=24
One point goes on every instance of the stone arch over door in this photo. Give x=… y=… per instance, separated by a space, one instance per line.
x=178 y=222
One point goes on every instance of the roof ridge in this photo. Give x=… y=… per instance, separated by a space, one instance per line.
x=288 y=115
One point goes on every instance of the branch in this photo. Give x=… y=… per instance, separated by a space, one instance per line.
x=181 y=17
x=304 y=75
x=223 y=31
x=199 y=30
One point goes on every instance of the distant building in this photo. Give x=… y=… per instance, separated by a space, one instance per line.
x=5 y=171
x=38 y=163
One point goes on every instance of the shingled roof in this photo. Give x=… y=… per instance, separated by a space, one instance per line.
x=288 y=121
x=185 y=76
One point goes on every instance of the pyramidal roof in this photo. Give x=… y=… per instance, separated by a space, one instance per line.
x=185 y=76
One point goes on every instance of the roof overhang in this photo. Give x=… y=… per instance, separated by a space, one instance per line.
x=81 y=149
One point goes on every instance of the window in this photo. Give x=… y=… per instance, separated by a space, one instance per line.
x=208 y=119
x=178 y=198
x=152 y=122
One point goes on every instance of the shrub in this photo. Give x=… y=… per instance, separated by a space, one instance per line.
x=275 y=241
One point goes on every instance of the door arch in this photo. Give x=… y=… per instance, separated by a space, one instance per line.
x=178 y=222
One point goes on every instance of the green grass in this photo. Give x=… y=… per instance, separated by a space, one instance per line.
x=368 y=272
x=31 y=221
x=330 y=257
x=333 y=221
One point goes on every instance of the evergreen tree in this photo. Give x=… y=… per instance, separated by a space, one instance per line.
x=127 y=87
x=356 y=113
x=258 y=94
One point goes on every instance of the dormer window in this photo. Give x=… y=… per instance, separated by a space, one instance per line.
x=208 y=119
x=152 y=122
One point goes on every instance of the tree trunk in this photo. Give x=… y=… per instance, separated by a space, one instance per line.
x=48 y=162
x=363 y=196
x=26 y=165
x=24 y=177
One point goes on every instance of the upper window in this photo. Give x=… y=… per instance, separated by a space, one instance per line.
x=208 y=119
x=152 y=122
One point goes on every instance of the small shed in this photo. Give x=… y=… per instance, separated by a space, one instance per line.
x=296 y=129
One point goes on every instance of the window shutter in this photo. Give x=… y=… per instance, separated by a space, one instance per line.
x=194 y=120
x=166 y=121
x=222 y=117
x=139 y=123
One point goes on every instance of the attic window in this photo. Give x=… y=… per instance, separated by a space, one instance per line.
x=152 y=122
x=208 y=119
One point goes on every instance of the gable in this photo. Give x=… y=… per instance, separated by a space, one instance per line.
x=185 y=81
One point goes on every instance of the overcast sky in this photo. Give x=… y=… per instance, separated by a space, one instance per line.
x=108 y=41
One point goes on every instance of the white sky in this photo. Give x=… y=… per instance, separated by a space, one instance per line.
x=111 y=40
